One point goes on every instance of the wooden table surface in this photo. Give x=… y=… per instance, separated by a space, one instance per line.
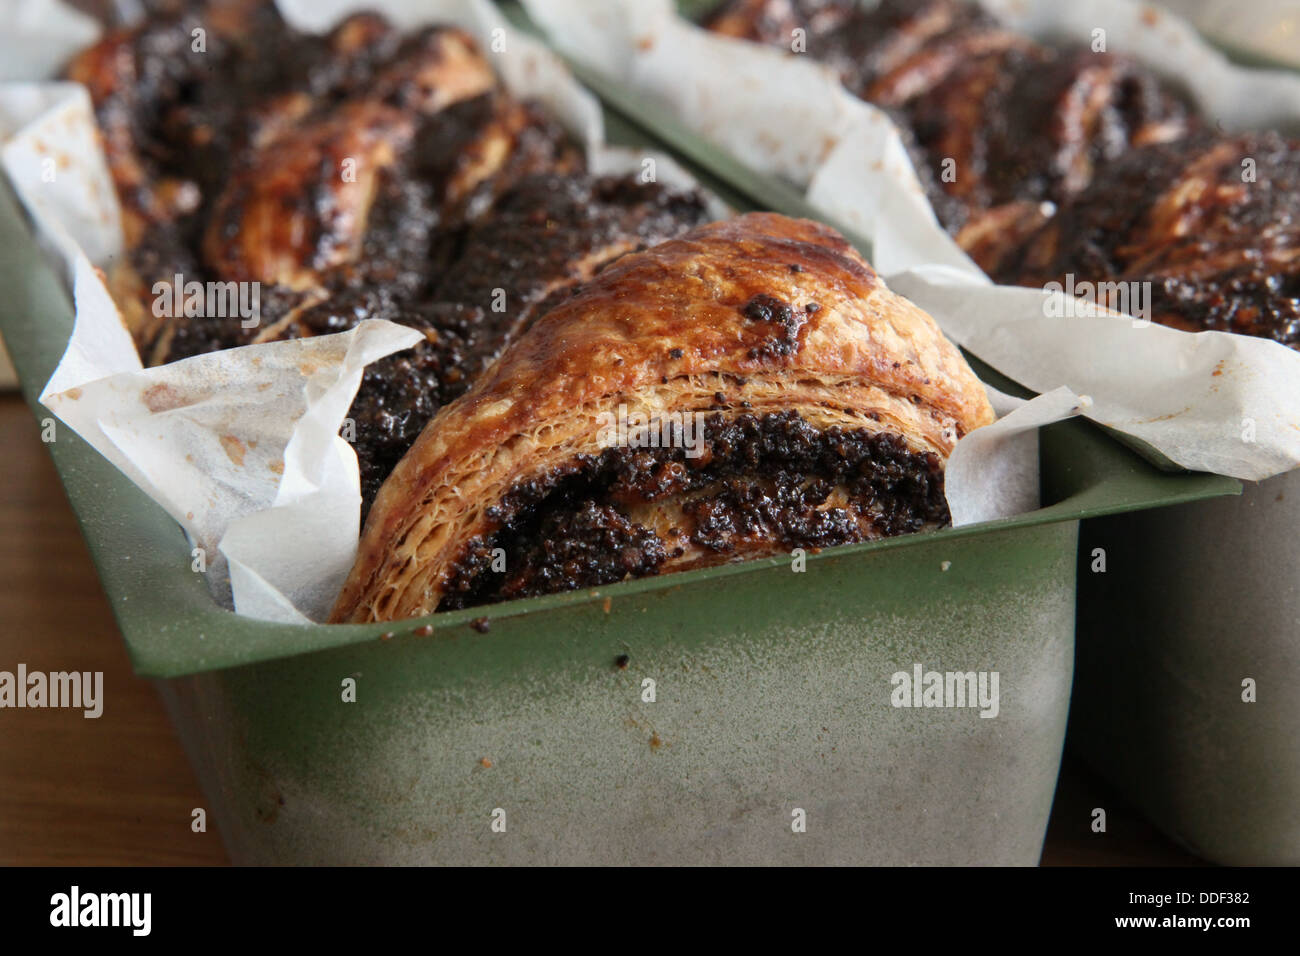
x=118 y=790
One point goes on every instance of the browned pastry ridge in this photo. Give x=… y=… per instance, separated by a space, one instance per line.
x=830 y=406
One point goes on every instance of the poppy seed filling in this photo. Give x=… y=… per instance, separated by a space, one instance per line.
x=764 y=484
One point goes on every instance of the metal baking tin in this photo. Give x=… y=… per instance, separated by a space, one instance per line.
x=1195 y=600
x=1188 y=667
x=771 y=736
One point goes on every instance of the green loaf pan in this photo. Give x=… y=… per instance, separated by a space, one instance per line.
x=741 y=714
x=1194 y=600
x=1199 y=603
x=1188 y=664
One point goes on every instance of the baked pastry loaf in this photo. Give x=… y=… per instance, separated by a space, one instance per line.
x=543 y=238
x=1209 y=228
x=363 y=173
x=1000 y=127
x=746 y=389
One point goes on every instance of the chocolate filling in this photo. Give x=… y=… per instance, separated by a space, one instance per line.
x=761 y=484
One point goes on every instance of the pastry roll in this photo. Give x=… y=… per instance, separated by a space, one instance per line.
x=319 y=181
x=746 y=389
x=999 y=127
x=542 y=239
x=1202 y=234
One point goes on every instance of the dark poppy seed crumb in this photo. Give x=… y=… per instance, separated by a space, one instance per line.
x=762 y=478
x=766 y=308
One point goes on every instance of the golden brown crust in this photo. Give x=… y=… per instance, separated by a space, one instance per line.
x=301 y=204
x=772 y=312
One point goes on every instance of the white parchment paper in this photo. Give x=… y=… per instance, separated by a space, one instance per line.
x=242 y=447
x=1265 y=28
x=1208 y=401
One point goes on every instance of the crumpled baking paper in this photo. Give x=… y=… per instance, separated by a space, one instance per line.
x=1209 y=401
x=987 y=475
x=242 y=447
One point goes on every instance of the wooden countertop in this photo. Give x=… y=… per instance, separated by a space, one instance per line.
x=118 y=790
x=112 y=790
